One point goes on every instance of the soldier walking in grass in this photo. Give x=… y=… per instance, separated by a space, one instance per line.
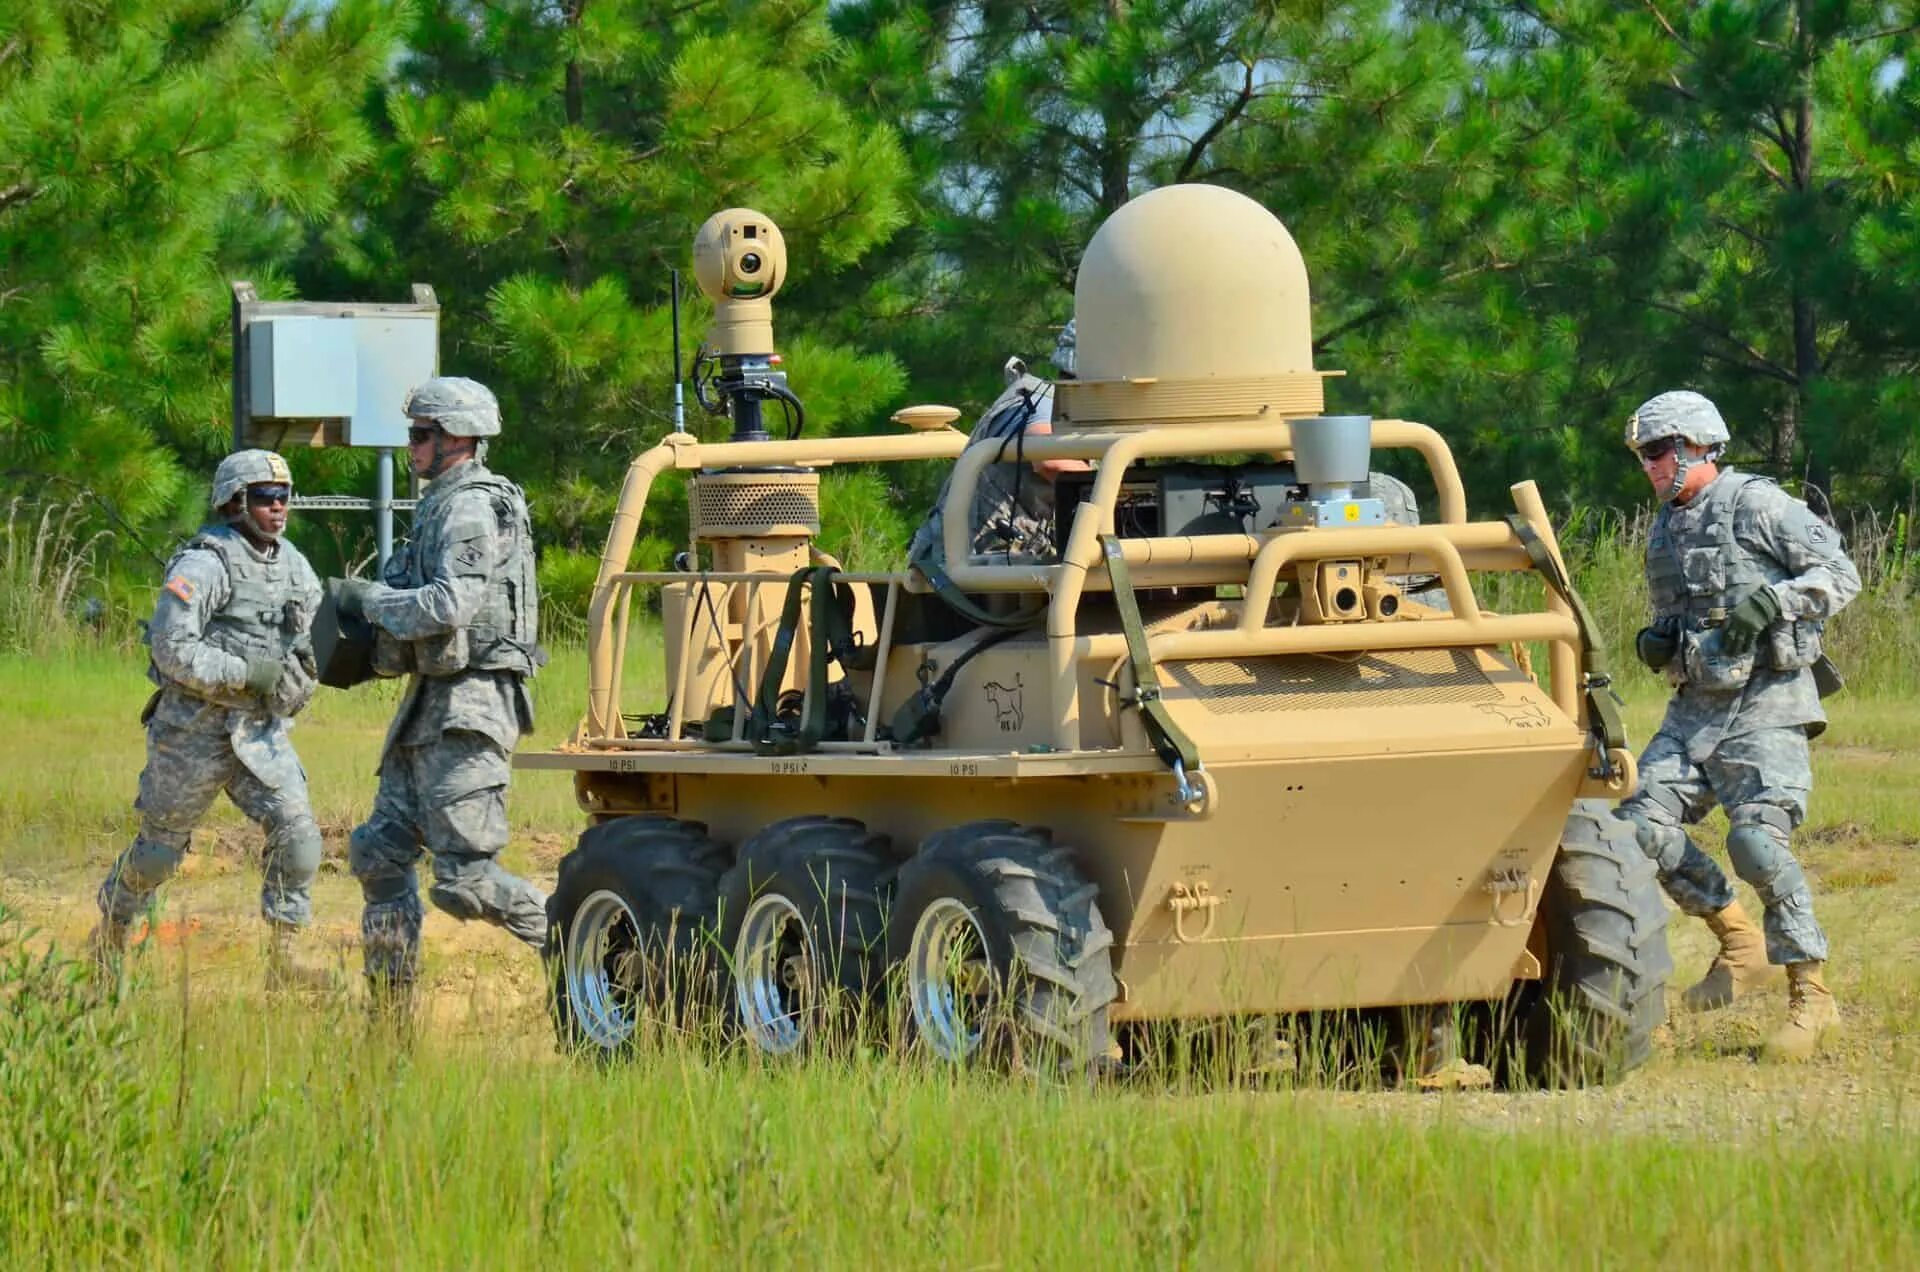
x=232 y=659
x=459 y=611
x=1743 y=578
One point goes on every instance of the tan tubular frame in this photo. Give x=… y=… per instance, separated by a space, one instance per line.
x=684 y=451
x=1448 y=548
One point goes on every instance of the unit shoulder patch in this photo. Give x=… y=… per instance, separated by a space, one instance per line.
x=182 y=586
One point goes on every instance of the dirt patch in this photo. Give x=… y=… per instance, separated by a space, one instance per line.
x=545 y=850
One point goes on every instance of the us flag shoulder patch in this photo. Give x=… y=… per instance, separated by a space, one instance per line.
x=181 y=586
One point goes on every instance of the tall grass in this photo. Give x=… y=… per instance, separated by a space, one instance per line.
x=174 y=1131
x=51 y=588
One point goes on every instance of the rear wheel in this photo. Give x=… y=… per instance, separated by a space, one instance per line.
x=1592 y=1017
x=1004 y=949
x=802 y=921
x=630 y=929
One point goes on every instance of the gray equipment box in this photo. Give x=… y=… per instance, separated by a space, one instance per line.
x=319 y=373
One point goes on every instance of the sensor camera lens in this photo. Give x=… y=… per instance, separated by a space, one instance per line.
x=750 y=263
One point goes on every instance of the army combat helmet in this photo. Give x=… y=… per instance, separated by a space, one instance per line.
x=461 y=407
x=457 y=407
x=249 y=468
x=1675 y=417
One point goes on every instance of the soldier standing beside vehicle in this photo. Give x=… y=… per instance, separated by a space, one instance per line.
x=231 y=657
x=459 y=610
x=1743 y=578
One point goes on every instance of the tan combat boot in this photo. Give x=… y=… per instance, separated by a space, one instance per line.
x=1740 y=966
x=286 y=970
x=1812 y=1014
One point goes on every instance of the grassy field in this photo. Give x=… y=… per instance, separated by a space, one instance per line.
x=201 y=1124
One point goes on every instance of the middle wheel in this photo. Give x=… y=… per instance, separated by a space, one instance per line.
x=803 y=922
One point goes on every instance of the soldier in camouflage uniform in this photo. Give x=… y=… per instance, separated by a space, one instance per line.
x=1743 y=578
x=459 y=610
x=233 y=662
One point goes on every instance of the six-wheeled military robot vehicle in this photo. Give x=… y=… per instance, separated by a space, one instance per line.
x=1211 y=758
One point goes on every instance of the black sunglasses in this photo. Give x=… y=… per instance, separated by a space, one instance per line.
x=262 y=495
x=1653 y=452
x=420 y=434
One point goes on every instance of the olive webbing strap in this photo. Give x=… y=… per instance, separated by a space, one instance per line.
x=1603 y=704
x=830 y=630
x=1169 y=740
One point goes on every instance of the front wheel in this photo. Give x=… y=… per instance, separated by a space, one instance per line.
x=1004 y=949
x=1591 y=1019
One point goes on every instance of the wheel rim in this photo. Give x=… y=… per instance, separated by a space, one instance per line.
x=775 y=984
x=602 y=943
x=949 y=979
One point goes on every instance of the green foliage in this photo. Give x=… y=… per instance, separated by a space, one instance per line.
x=81 y=1115
x=52 y=596
x=546 y=166
x=149 y=152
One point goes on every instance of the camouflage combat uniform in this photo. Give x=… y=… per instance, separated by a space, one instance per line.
x=461 y=608
x=1012 y=511
x=225 y=601
x=1736 y=729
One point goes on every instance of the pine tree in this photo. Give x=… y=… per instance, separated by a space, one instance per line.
x=1694 y=202
x=546 y=165
x=151 y=150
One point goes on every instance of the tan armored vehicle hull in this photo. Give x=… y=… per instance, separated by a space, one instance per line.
x=1287 y=787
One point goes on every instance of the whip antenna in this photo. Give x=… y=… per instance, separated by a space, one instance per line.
x=679 y=399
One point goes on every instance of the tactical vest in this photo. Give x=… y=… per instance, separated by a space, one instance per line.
x=504 y=634
x=1699 y=572
x=264 y=612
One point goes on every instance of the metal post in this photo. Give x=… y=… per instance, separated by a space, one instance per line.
x=383 y=508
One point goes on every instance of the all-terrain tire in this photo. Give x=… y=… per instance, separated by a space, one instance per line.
x=1604 y=990
x=1049 y=950
x=836 y=876
x=645 y=890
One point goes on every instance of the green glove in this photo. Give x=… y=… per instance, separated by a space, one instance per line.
x=1657 y=644
x=263 y=674
x=351 y=596
x=1753 y=614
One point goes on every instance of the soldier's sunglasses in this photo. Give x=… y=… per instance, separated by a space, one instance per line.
x=1654 y=452
x=262 y=495
x=420 y=436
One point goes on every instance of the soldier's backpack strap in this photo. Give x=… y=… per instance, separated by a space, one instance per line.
x=1603 y=704
x=1175 y=749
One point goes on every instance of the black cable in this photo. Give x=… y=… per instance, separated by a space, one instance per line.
x=1018 y=440
x=797 y=420
x=720 y=638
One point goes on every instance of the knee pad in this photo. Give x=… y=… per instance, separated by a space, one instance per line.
x=294 y=850
x=150 y=862
x=379 y=860
x=457 y=901
x=1757 y=845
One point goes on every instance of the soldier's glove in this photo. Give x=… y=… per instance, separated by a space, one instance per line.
x=293 y=691
x=1658 y=643
x=263 y=674
x=1754 y=613
x=351 y=596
